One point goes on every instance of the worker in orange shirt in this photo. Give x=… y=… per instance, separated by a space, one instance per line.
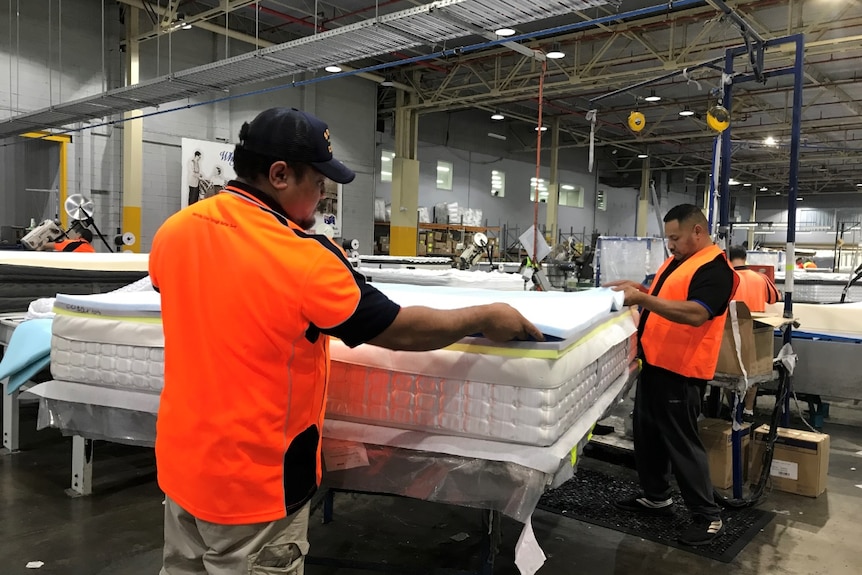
x=679 y=337
x=239 y=429
x=81 y=244
x=755 y=291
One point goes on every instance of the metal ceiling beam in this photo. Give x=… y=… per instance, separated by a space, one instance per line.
x=259 y=43
x=200 y=17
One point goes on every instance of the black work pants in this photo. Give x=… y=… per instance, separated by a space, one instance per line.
x=667 y=406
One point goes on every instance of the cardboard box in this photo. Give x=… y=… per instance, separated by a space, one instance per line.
x=716 y=437
x=800 y=461
x=756 y=338
x=421 y=250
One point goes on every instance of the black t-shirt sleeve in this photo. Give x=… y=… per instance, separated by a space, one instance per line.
x=373 y=315
x=712 y=285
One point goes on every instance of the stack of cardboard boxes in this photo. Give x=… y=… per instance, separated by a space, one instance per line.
x=801 y=458
x=799 y=463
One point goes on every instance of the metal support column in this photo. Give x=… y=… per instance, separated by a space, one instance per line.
x=753 y=218
x=552 y=207
x=82 y=466
x=643 y=201
x=405 y=179
x=10 y=418
x=133 y=141
x=796 y=128
x=724 y=173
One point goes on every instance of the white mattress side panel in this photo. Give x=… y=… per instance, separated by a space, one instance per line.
x=135 y=368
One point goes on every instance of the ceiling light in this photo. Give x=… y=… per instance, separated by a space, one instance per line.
x=732 y=182
x=504 y=32
x=556 y=52
x=643 y=156
x=496 y=136
x=652 y=97
x=769 y=141
x=387 y=82
x=186 y=26
x=859 y=185
x=567 y=187
x=333 y=68
x=685 y=112
x=544 y=128
x=746 y=185
x=764 y=189
x=777 y=193
x=442 y=168
x=497 y=116
x=799 y=199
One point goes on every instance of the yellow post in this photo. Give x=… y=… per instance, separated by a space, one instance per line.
x=405 y=181
x=63 y=176
x=133 y=146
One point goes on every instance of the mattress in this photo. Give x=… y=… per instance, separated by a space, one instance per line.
x=444 y=278
x=26 y=276
x=820 y=287
x=521 y=392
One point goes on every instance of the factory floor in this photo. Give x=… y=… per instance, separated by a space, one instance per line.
x=118 y=531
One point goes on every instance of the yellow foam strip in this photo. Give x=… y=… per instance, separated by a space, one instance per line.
x=135 y=319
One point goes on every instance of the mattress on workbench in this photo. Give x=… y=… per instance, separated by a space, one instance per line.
x=523 y=392
x=820 y=287
x=444 y=278
x=26 y=276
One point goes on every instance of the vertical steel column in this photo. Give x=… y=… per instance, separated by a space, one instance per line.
x=724 y=221
x=795 y=137
x=723 y=183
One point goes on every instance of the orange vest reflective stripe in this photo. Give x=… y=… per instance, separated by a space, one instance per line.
x=755 y=290
x=684 y=349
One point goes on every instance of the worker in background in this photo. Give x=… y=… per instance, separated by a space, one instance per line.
x=194 y=178
x=800 y=263
x=809 y=264
x=755 y=291
x=238 y=441
x=82 y=244
x=679 y=335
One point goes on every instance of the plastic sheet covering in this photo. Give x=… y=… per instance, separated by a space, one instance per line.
x=506 y=487
x=98 y=422
x=820 y=287
x=628 y=258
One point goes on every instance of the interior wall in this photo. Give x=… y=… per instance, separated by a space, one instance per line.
x=95 y=165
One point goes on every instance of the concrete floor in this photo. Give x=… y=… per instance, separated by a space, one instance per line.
x=118 y=530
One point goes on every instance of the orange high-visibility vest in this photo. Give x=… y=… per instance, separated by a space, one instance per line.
x=74 y=246
x=684 y=349
x=755 y=290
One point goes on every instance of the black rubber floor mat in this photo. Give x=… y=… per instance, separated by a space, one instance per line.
x=589 y=497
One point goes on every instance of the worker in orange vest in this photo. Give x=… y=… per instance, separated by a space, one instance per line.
x=755 y=291
x=679 y=333
x=82 y=244
x=240 y=424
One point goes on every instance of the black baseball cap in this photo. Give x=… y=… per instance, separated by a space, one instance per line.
x=294 y=136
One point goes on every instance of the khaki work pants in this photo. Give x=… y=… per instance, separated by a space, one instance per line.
x=197 y=547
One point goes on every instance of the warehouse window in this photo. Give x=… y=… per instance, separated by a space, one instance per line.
x=498 y=183
x=572 y=196
x=444 y=175
x=600 y=200
x=542 y=187
x=386 y=159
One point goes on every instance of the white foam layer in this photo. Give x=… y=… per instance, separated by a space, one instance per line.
x=77 y=261
x=445 y=278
